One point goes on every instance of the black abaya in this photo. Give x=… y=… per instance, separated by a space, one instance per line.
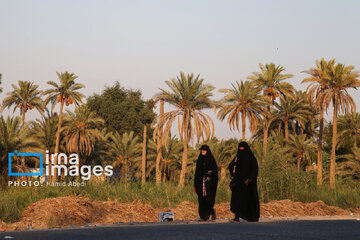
x=205 y=183
x=245 y=198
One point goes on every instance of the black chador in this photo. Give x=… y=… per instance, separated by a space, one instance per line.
x=244 y=171
x=205 y=183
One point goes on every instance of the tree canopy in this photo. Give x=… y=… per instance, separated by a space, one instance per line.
x=123 y=110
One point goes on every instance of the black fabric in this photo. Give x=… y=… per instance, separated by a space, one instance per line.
x=245 y=199
x=204 y=164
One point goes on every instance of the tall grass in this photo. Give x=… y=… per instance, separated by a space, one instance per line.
x=277 y=180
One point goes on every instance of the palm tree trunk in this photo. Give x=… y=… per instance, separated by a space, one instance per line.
x=143 y=162
x=319 y=153
x=333 y=147
x=159 y=148
x=164 y=173
x=286 y=126
x=185 y=152
x=266 y=130
x=355 y=142
x=222 y=173
x=243 y=119
x=23 y=116
x=22 y=125
x=53 y=178
x=298 y=163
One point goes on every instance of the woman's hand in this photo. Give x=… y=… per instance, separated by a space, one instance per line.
x=194 y=189
x=247 y=181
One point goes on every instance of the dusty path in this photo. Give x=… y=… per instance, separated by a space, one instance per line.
x=72 y=211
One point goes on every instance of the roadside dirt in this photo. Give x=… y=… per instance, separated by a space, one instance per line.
x=73 y=211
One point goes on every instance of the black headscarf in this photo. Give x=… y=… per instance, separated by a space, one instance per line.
x=246 y=152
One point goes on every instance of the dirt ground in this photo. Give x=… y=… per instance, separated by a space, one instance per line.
x=73 y=211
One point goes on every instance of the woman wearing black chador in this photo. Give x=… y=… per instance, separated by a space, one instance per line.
x=244 y=199
x=205 y=183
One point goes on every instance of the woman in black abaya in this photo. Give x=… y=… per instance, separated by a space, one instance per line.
x=205 y=183
x=244 y=199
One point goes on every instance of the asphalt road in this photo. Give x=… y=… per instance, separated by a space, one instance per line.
x=280 y=230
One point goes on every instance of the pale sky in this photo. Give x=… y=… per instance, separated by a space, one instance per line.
x=143 y=43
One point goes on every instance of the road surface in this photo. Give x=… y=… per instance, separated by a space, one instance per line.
x=280 y=230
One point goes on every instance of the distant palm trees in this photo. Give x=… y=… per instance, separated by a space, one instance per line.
x=44 y=132
x=124 y=150
x=81 y=130
x=25 y=96
x=350 y=129
x=271 y=81
x=189 y=96
x=242 y=100
x=339 y=79
x=14 y=136
x=265 y=104
x=289 y=110
x=351 y=165
x=66 y=92
x=299 y=146
x=318 y=83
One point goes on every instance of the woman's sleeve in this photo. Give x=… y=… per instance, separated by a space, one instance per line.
x=231 y=167
x=254 y=169
x=197 y=174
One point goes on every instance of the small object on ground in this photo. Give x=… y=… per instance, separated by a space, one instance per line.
x=132 y=221
x=8 y=237
x=166 y=216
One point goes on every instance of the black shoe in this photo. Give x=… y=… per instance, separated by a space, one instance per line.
x=236 y=219
x=213 y=216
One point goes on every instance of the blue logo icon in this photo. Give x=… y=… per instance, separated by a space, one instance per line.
x=40 y=155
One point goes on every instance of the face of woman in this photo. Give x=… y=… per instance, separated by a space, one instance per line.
x=241 y=148
x=203 y=152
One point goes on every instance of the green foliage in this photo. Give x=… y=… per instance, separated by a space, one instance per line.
x=25 y=96
x=123 y=110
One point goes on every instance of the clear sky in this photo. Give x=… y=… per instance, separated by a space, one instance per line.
x=143 y=43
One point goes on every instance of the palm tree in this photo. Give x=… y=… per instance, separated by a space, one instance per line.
x=124 y=150
x=340 y=78
x=350 y=125
x=271 y=81
x=44 y=132
x=81 y=130
x=289 y=110
x=299 y=146
x=171 y=156
x=318 y=83
x=26 y=96
x=64 y=93
x=159 y=149
x=243 y=99
x=351 y=165
x=190 y=96
x=14 y=136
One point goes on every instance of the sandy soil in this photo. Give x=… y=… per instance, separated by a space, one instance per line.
x=72 y=211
